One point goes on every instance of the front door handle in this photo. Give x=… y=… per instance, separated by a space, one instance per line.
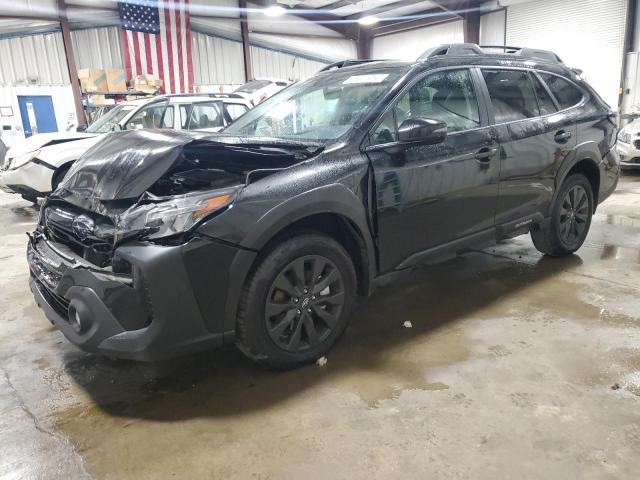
x=562 y=136
x=485 y=154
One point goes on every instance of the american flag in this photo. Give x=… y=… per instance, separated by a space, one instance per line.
x=156 y=40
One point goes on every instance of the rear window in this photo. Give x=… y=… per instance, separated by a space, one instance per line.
x=544 y=100
x=566 y=93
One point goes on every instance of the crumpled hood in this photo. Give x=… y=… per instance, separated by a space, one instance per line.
x=124 y=165
x=41 y=140
x=62 y=152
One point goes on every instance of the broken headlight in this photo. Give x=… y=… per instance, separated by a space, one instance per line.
x=23 y=159
x=165 y=217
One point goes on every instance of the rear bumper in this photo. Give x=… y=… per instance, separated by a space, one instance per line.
x=148 y=314
x=609 y=174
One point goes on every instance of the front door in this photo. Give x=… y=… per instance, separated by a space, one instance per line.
x=429 y=195
x=37 y=114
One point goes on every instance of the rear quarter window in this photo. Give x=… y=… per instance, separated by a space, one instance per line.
x=566 y=93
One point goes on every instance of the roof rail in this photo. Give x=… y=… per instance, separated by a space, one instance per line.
x=345 y=63
x=526 y=53
x=463 y=49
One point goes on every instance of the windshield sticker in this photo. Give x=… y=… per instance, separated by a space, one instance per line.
x=377 y=78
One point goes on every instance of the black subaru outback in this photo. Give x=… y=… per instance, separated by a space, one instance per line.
x=161 y=242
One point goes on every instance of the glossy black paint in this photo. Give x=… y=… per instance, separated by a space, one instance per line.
x=400 y=204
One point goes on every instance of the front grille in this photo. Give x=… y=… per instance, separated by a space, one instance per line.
x=59 y=225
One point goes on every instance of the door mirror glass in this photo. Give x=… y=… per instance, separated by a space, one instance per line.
x=81 y=128
x=424 y=131
x=116 y=127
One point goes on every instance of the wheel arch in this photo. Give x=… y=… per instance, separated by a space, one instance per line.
x=322 y=209
x=585 y=159
x=59 y=173
x=333 y=210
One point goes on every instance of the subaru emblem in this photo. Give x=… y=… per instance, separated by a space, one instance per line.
x=82 y=226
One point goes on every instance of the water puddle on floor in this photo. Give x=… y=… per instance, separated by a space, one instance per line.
x=378 y=358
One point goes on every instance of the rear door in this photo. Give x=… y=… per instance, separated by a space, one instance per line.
x=430 y=195
x=534 y=139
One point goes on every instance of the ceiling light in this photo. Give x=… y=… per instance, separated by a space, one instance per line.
x=368 y=20
x=274 y=11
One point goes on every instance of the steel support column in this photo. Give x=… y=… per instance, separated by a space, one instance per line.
x=71 y=61
x=246 y=47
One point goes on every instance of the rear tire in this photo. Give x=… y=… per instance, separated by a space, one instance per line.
x=296 y=304
x=570 y=219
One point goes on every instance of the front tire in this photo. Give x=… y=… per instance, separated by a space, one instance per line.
x=570 y=219
x=296 y=304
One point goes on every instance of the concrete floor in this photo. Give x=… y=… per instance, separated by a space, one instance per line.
x=517 y=366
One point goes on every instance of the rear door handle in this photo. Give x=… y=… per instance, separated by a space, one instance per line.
x=485 y=154
x=562 y=136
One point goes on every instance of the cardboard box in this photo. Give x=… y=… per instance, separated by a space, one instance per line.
x=93 y=80
x=116 y=79
x=96 y=99
x=146 y=83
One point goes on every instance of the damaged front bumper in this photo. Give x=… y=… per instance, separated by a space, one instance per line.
x=168 y=301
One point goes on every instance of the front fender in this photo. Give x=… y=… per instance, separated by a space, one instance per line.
x=334 y=199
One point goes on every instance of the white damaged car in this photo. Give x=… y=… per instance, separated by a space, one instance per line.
x=628 y=146
x=34 y=167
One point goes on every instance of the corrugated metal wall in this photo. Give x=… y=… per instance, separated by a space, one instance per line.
x=219 y=61
x=271 y=64
x=97 y=47
x=411 y=44
x=34 y=57
x=586 y=34
x=216 y=60
x=492 y=28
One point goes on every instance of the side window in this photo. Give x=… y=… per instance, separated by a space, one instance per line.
x=386 y=131
x=151 y=116
x=445 y=96
x=204 y=115
x=511 y=94
x=167 y=119
x=234 y=110
x=545 y=103
x=185 y=109
x=565 y=92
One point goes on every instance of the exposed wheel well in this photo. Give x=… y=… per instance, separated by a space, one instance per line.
x=590 y=170
x=341 y=230
x=59 y=174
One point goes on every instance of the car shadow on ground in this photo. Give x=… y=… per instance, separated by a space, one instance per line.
x=223 y=382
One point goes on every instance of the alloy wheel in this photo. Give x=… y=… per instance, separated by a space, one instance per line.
x=304 y=303
x=574 y=215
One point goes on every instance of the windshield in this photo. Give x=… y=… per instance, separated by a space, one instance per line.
x=323 y=108
x=105 y=123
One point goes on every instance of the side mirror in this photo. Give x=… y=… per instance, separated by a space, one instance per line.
x=116 y=127
x=422 y=131
x=81 y=128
